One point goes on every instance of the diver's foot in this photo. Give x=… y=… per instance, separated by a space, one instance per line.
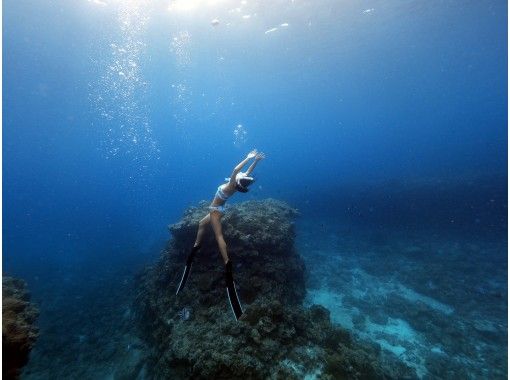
x=233 y=298
x=229 y=276
x=191 y=255
x=187 y=268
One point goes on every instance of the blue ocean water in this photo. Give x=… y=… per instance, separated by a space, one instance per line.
x=384 y=123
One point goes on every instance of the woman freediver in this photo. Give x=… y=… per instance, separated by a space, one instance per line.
x=238 y=181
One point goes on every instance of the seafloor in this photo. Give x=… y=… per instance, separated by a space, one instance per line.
x=436 y=301
x=439 y=302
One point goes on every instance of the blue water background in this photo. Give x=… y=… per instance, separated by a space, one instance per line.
x=349 y=93
x=118 y=115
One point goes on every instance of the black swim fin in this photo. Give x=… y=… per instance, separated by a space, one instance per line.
x=187 y=268
x=231 y=291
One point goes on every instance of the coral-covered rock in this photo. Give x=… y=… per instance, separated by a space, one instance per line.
x=276 y=338
x=18 y=330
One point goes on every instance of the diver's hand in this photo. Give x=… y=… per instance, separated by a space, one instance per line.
x=260 y=156
x=252 y=154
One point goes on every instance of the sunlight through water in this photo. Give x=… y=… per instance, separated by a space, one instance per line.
x=121 y=91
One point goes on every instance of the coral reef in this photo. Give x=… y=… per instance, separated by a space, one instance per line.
x=277 y=338
x=438 y=303
x=18 y=330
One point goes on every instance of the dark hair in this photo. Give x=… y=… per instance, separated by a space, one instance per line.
x=243 y=183
x=241 y=189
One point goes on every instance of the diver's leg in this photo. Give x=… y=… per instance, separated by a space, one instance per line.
x=201 y=229
x=216 y=225
x=196 y=247
x=235 y=304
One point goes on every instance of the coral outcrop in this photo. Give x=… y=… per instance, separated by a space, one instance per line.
x=195 y=336
x=18 y=330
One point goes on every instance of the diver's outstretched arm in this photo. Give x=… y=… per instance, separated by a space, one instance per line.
x=258 y=157
x=240 y=165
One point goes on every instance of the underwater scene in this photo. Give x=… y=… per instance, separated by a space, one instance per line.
x=248 y=189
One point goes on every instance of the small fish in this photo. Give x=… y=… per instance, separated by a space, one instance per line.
x=285 y=24
x=368 y=10
x=215 y=22
x=184 y=314
x=270 y=30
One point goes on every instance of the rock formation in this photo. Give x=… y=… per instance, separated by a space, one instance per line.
x=195 y=336
x=18 y=330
